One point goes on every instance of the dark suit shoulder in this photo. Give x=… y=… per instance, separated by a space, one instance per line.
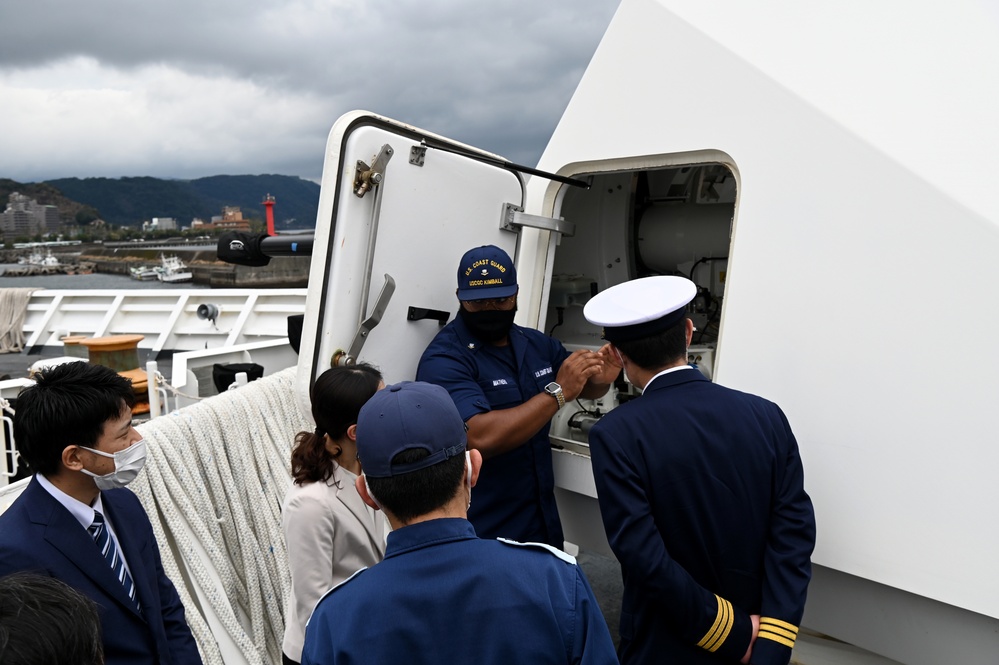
x=122 y=497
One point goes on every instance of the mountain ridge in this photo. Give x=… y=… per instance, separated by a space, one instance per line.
x=130 y=200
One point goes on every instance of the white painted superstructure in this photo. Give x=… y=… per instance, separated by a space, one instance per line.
x=860 y=254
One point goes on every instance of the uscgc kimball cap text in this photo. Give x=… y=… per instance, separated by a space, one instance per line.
x=486 y=272
x=640 y=308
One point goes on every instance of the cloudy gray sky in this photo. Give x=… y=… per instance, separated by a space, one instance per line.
x=192 y=88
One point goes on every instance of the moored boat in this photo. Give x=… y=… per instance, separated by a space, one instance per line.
x=143 y=273
x=173 y=270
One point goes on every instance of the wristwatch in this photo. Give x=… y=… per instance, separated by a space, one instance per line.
x=555 y=390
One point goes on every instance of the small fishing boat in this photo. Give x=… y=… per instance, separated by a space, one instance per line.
x=173 y=270
x=144 y=273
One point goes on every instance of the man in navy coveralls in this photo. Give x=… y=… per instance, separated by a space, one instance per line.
x=508 y=382
x=76 y=522
x=701 y=493
x=442 y=595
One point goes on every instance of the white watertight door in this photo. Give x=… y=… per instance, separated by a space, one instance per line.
x=419 y=209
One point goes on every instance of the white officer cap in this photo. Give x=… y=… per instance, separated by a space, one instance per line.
x=640 y=308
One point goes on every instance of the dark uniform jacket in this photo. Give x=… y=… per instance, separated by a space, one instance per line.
x=443 y=596
x=515 y=495
x=37 y=534
x=701 y=494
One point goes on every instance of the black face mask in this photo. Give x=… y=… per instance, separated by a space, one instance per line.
x=490 y=325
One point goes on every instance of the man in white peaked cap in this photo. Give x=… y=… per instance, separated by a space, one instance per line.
x=701 y=493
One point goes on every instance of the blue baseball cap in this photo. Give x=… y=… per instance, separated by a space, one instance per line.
x=404 y=416
x=486 y=272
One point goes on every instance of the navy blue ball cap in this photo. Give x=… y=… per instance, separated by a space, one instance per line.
x=404 y=416
x=486 y=272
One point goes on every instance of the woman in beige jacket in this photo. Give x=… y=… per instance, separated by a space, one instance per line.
x=330 y=532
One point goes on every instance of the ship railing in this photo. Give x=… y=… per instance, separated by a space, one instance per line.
x=8 y=453
x=165 y=396
x=167 y=318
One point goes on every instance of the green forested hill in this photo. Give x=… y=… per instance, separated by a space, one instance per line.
x=42 y=193
x=132 y=200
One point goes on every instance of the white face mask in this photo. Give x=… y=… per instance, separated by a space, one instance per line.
x=127 y=464
x=370 y=493
x=620 y=359
x=468 y=467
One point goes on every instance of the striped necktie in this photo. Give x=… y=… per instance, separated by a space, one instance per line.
x=105 y=543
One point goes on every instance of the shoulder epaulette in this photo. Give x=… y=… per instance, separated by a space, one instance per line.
x=568 y=558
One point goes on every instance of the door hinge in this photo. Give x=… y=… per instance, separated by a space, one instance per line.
x=366 y=177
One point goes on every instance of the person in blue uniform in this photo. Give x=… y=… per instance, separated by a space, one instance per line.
x=701 y=491
x=508 y=382
x=441 y=594
x=76 y=522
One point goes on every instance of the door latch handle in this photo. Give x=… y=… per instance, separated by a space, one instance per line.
x=420 y=313
x=349 y=357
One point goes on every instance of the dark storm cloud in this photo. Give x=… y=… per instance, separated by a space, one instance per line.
x=495 y=75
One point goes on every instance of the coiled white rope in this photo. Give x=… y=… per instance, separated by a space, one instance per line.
x=213 y=485
x=13 y=311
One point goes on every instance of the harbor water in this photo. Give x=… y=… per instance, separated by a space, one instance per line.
x=94 y=281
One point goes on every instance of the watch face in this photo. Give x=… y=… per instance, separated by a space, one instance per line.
x=553 y=388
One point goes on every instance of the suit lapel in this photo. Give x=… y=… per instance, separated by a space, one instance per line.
x=352 y=501
x=67 y=535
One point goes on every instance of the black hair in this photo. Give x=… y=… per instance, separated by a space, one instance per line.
x=410 y=495
x=68 y=405
x=337 y=397
x=657 y=351
x=44 y=620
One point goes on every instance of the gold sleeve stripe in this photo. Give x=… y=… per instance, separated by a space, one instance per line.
x=777 y=622
x=721 y=628
x=714 y=626
x=765 y=634
x=778 y=631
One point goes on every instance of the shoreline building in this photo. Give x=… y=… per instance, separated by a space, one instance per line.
x=231 y=219
x=160 y=224
x=24 y=216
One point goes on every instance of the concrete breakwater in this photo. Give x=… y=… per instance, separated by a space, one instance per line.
x=30 y=270
x=281 y=272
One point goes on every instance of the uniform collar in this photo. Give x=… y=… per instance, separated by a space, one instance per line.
x=425 y=534
x=672 y=378
x=83 y=513
x=668 y=371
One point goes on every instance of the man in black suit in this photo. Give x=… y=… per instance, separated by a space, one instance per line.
x=701 y=494
x=76 y=522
